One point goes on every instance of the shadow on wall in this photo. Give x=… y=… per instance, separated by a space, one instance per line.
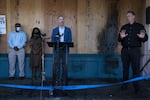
x=107 y=40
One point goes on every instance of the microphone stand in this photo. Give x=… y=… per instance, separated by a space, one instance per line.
x=142 y=69
x=43 y=64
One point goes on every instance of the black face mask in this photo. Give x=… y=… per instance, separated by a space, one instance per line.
x=36 y=35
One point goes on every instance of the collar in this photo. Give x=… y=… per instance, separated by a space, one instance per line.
x=133 y=23
x=61 y=27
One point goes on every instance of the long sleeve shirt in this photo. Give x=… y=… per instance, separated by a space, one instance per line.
x=17 y=39
x=132 y=40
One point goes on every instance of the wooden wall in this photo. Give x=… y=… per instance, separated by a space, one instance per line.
x=86 y=18
x=136 y=5
x=3 y=42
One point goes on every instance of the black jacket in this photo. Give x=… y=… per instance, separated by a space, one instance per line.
x=132 y=40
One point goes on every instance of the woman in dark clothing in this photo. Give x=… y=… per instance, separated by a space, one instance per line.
x=36 y=53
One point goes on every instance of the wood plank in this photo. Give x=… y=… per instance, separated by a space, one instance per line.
x=3 y=38
x=87 y=18
x=92 y=15
x=55 y=8
x=137 y=6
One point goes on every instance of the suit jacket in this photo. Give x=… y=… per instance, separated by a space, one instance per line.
x=67 y=34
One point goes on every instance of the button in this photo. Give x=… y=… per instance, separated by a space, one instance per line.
x=130 y=27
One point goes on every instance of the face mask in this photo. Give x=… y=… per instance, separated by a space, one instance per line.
x=36 y=35
x=18 y=29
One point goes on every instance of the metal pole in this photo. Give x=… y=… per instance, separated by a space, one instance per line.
x=43 y=72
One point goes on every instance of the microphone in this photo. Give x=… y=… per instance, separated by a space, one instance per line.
x=58 y=35
x=43 y=34
x=61 y=35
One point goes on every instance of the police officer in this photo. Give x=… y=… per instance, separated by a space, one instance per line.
x=131 y=36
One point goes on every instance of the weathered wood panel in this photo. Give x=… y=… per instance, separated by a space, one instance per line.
x=28 y=13
x=66 y=8
x=124 y=5
x=86 y=18
x=3 y=38
x=92 y=15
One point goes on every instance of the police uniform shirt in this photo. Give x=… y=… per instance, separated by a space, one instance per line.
x=132 y=40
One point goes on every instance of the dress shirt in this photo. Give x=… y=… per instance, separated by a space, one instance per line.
x=61 y=33
x=17 y=39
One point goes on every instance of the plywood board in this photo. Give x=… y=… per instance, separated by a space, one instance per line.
x=86 y=18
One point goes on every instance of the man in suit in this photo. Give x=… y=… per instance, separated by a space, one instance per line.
x=60 y=34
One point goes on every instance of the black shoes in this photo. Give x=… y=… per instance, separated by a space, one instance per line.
x=11 y=78
x=124 y=87
x=136 y=90
x=21 y=78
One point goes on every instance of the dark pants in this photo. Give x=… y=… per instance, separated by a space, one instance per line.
x=60 y=71
x=131 y=56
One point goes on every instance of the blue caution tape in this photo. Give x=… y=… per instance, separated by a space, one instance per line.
x=72 y=87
